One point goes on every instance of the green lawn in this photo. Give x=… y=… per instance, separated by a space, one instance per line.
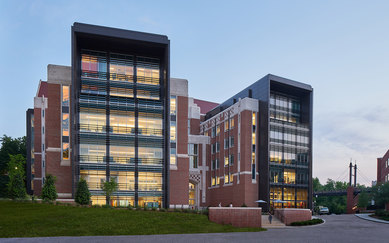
x=23 y=219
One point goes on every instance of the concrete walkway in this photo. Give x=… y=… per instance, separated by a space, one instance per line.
x=367 y=217
x=275 y=224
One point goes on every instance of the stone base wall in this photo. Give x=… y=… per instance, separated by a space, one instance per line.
x=236 y=216
x=290 y=215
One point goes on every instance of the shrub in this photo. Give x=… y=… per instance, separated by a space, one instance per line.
x=308 y=222
x=82 y=194
x=16 y=186
x=49 y=193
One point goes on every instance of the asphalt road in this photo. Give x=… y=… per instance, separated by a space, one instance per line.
x=337 y=228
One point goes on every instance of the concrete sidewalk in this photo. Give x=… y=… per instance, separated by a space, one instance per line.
x=367 y=217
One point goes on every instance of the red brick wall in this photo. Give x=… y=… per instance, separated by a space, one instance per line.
x=290 y=215
x=382 y=170
x=179 y=179
x=238 y=217
x=246 y=192
x=53 y=140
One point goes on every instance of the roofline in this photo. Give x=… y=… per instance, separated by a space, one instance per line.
x=119 y=33
x=290 y=82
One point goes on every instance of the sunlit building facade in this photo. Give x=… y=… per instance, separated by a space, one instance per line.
x=120 y=106
x=116 y=114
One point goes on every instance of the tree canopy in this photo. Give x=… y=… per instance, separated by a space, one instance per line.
x=11 y=146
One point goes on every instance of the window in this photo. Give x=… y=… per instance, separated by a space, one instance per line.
x=65 y=95
x=43 y=130
x=226 y=163
x=192 y=194
x=231 y=160
x=173 y=105
x=173 y=156
x=226 y=179
x=172 y=131
x=231 y=143
x=217 y=147
x=65 y=124
x=217 y=164
x=217 y=180
x=231 y=123
x=213 y=148
x=193 y=155
x=188 y=126
x=43 y=113
x=213 y=181
x=226 y=143
x=226 y=126
x=65 y=150
x=213 y=134
x=217 y=130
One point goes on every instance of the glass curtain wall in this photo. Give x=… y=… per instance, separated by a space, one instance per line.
x=289 y=149
x=120 y=127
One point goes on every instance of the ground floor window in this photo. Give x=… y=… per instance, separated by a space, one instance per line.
x=192 y=194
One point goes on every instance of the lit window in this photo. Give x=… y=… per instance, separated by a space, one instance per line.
x=226 y=159
x=226 y=179
x=173 y=105
x=226 y=126
x=65 y=95
x=231 y=123
x=65 y=150
x=172 y=131
x=217 y=130
x=173 y=159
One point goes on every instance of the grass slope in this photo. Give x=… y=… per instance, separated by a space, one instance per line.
x=20 y=219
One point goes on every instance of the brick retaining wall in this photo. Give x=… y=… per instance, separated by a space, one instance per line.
x=236 y=216
x=290 y=215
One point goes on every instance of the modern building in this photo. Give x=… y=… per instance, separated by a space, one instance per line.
x=383 y=169
x=117 y=114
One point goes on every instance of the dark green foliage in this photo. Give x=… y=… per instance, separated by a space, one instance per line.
x=11 y=146
x=382 y=214
x=308 y=222
x=109 y=187
x=4 y=179
x=82 y=194
x=363 y=200
x=16 y=186
x=49 y=193
x=336 y=204
x=381 y=194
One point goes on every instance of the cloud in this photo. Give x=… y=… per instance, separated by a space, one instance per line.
x=359 y=134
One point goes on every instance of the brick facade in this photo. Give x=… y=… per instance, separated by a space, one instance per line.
x=383 y=168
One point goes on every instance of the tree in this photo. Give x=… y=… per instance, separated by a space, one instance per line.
x=381 y=194
x=109 y=187
x=9 y=146
x=16 y=186
x=316 y=185
x=82 y=193
x=363 y=200
x=49 y=193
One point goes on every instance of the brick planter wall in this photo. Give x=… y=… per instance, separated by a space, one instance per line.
x=236 y=216
x=290 y=215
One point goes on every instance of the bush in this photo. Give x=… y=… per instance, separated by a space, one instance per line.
x=82 y=194
x=16 y=186
x=308 y=222
x=49 y=193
